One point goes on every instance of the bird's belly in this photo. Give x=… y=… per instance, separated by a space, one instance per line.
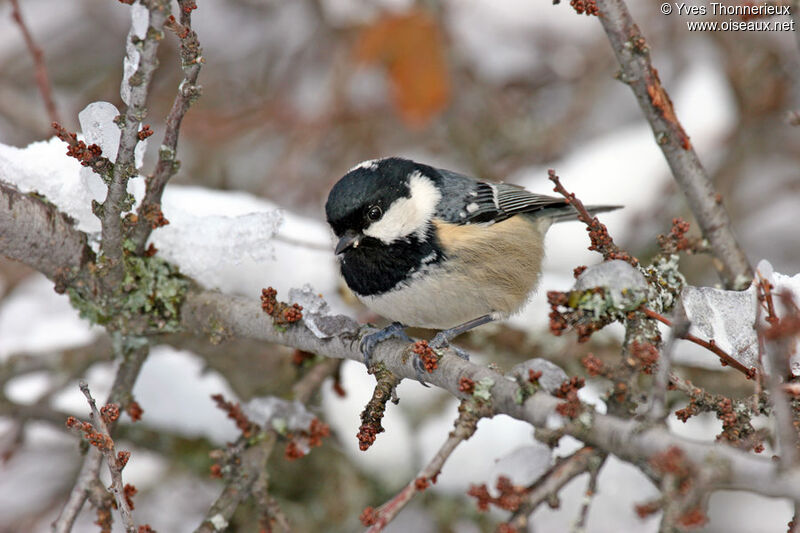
x=437 y=300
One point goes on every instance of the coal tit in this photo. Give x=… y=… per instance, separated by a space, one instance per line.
x=432 y=248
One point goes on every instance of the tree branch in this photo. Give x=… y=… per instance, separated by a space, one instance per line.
x=217 y=315
x=552 y=481
x=464 y=427
x=125 y=165
x=120 y=394
x=212 y=313
x=188 y=92
x=42 y=79
x=115 y=464
x=33 y=231
x=637 y=71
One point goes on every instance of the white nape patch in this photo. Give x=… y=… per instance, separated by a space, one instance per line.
x=369 y=164
x=408 y=215
x=471 y=208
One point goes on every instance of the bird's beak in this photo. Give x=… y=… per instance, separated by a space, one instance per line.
x=348 y=240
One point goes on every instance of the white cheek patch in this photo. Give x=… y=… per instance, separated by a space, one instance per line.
x=408 y=215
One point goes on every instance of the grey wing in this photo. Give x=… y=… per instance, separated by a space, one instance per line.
x=469 y=201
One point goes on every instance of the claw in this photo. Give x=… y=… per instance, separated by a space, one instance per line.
x=419 y=371
x=441 y=341
x=369 y=342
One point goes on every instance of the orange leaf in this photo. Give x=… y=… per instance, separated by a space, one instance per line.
x=411 y=47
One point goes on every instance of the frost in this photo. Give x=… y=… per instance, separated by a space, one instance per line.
x=727 y=317
x=140 y=20
x=525 y=465
x=624 y=284
x=317 y=315
x=552 y=375
x=277 y=413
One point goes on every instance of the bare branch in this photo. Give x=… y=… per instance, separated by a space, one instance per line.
x=115 y=464
x=125 y=165
x=42 y=79
x=637 y=71
x=212 y=313
x=188 y=92
x=251 y=469
x=465 y=426
x=303 y=389
x=711 y=346
x=657 y=410
x=33 y=231
x=552 y=481
x=120 y=394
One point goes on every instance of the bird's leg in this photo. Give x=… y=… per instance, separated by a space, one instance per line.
x=443 y=338
x=369 y=342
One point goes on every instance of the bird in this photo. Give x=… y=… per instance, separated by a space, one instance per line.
x=433 y=248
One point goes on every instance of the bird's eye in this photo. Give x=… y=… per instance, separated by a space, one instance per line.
x=374 y=213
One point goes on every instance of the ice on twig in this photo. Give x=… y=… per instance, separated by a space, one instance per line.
x=726 y=317
x=98 y=127
x=317 y=315
x=140 y=20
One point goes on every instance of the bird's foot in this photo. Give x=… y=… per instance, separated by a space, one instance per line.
x=394 y=330
x=441 y=341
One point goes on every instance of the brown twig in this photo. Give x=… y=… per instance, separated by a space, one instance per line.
x=591 y=490
x=373 y=412
x=464 y=427
x=250 y=473
x=114 y=462
x=657 y=410
x=637 y=71
x=711 y=346
x=42 y=79
x=117 y=199
x=120 y=394
x=188 y=93
x=777 y=350
x=552 y=481
x=304 y=388
x=598 y=233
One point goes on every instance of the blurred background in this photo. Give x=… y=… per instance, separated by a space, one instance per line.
x=297 y=92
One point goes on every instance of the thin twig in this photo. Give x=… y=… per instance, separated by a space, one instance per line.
x=120 y=394
x=149 y=213
x=598 y=233
x=251 y=467
x=637 y=71
x=304 y=388
x=711 y=346
x=125 y=165
x=42 y=79
x=777 y=350
x=591 y=490
x=551 y=483
x=657 y=409
x=464 y=427
x=115 y=466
